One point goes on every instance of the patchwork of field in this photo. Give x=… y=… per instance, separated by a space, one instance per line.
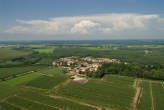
x=112 y=92
x=107 y=93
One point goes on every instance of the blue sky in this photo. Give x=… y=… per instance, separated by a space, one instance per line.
x=22 y=19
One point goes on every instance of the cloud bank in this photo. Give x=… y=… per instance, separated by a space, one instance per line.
x=103 y=24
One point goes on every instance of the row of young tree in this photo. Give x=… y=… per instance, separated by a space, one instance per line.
x=155 y=71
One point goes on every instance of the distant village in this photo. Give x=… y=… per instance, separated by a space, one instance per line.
x=77 y=65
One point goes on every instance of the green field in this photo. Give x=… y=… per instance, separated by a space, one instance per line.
x=28 y=104
x=10 y=53
x=45 y=50
x=22 y=79
x=52 y=71
x=6 y=106
x=60 y=103
x=47 y=82
x=145 y=101
x=158 y=96
x=13 y=71
x=11 y=86
x=103 y=93
x=151 y=97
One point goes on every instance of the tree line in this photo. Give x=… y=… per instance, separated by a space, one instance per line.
x=154 y=71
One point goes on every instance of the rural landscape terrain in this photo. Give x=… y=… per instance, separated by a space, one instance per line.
x=82 y=75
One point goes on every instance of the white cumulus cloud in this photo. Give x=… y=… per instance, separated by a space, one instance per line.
x=103 y=24
x=83 y=26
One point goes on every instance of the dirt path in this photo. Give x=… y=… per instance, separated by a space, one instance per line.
x=151 y=93
x=60 y=85
x=137 y=94
x=76 y=101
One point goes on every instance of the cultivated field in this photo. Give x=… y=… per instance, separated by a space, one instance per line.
x=47 y=82
x=52 y=71
x=14 y=71
x=112 y=92
x=151 y=97
x=107 y=93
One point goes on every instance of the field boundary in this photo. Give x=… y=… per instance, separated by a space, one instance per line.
x=162 y=85
x=151 y=93
x=137 y=94
x=60 y=85
x=141 y=92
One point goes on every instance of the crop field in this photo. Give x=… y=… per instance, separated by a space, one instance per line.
x=52 y=71
x=6 y=106
x=113 y=92
x=11 y=86
x=145 y=102
x=29 y=104
x=151 y=97
x=13 y=71
x=59 y=103
x=47 y=82
x=7 y=91
x=22 y=79
x=10 y=53
x=158 y=96
x=102 y=93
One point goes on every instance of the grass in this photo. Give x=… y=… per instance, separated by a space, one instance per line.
x=158 y=95
x=144 y=102
x=6 y=53
x=30 y=105
x=102 y=93
x=47 y=82
x=6 y=106
x=60 y=103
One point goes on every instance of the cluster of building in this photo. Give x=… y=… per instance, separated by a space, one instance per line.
x=76 y=64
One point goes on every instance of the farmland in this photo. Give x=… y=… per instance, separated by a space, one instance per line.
x=14 y=71
x=29 y=81
x=151 y=96
x=45 y=50
x=112 y=91
x=52 y=71
x=47 y=82
x=11 y=86
x=90 y=93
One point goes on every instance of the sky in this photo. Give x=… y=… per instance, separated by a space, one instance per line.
x=81 y=19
